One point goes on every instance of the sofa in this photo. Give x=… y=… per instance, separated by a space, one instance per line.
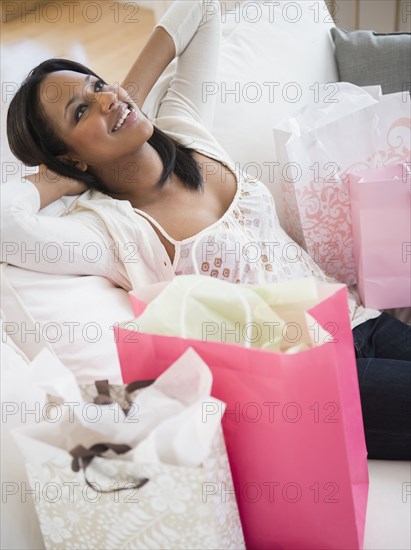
x=268 y=50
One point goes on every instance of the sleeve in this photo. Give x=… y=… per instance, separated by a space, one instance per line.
x=195 y=27
x=77 y=244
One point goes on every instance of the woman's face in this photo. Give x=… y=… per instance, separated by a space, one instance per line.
x=84 y=111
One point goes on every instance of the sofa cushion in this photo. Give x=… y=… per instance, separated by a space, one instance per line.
x=366 y=58
x=275 y=58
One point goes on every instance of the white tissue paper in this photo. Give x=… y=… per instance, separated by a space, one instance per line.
x=167 y=425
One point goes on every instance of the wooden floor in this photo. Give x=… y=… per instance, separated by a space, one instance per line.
x=108 y=46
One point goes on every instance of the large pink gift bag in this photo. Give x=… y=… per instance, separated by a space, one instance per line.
x=381 y=225
x=293 y=427
x=346 y=130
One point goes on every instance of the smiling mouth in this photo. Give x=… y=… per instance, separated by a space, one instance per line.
x=125 y=114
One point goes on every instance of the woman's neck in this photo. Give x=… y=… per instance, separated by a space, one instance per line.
x=134 y=178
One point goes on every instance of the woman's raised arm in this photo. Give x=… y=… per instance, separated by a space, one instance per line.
x=194 y=22
x=196 y=28
x=157 y=54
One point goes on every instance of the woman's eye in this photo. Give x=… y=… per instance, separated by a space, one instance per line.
x=99 y=84
x=79 y=112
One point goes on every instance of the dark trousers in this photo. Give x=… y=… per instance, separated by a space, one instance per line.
x=383 y=352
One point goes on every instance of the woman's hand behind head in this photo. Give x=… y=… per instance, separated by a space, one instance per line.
x=52 y=186
x=71 y=186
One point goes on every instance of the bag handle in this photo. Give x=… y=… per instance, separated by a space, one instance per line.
x=83 y=456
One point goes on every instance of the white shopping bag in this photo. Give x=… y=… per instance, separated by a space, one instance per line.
x=353 y=130
x=172 y=487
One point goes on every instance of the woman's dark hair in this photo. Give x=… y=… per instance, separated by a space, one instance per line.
x=33 y=141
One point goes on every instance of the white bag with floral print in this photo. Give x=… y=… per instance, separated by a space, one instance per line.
x=348 y=129
x=172 y=489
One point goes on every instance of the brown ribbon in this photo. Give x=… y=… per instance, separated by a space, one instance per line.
x=138 y=385
x=103 y=391
x=83 y=456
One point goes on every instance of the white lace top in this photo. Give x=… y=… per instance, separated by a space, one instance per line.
x=247 y=245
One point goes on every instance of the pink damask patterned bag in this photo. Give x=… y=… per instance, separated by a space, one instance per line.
x=353 y=129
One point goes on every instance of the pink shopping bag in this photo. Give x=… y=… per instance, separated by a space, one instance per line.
x=381 y=225
x=293 y=429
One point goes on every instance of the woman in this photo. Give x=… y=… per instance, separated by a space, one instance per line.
x=180 y=205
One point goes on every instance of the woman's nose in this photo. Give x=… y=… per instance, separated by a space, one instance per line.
x=104 y=99
x=107 y=101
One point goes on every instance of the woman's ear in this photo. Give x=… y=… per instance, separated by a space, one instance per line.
x=80 y=164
